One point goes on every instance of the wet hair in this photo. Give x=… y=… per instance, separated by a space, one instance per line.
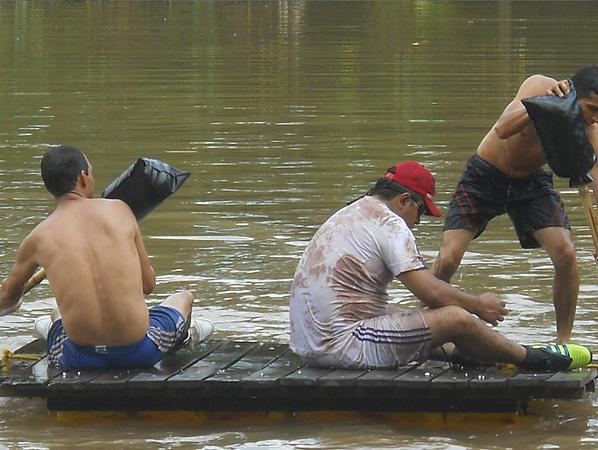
x=387 y=190
x=585 y=81
x=60 y=168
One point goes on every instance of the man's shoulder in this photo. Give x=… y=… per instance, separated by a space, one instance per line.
x=89 y=209
x=44 y=229
x=32 y=237
x=110 y=203
x=535 y=85
x=374 y=214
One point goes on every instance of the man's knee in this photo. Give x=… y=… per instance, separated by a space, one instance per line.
x=187 y=298
x=563 y=257
x=450 y=322
x=460 y=320
x=181 y=301
x=188 y=295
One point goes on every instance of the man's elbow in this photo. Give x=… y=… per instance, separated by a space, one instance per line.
x=439 y=294
x=148 y=286
x=433 y=298
x=148 y=279
x=147 y=290
x=9 y=296
x=501 y=131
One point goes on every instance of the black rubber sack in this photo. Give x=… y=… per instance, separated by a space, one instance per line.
x=561 y=129
x=146 y=184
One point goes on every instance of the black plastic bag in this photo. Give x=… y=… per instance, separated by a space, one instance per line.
x=562 y=132
x=146 y=184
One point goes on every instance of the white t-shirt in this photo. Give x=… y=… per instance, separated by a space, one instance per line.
x=342 y=276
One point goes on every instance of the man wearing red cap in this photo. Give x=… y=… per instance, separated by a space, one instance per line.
x=339 y=310
x=505 y=176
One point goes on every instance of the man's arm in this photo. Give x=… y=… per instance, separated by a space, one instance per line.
x=592 y=133
x=514 y=118
x=11 y=289
x=436 y=293
x=148 y=275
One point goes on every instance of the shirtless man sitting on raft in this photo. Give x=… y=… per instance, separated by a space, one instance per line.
x=98 y=268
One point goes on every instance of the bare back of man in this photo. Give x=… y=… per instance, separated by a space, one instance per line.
x=94 y=257
x=88 y=249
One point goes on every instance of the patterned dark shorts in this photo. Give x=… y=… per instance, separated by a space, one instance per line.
x=483 y=192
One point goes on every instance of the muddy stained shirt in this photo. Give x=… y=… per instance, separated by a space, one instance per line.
x=342 y=277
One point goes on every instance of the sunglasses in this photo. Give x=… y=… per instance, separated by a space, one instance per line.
x=415 y=197
x=421 y=206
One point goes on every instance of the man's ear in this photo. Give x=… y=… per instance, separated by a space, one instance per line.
x=82 y=178
x=401 y=201
x=405 y=199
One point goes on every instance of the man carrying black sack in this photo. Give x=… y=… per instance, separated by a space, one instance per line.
x=98 y=268
x=505 y=175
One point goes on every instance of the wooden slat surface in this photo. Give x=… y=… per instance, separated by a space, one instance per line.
x=155 y=377
x=492 y=378
x=455 y=378
x=572 y=384
x=251 y=363
x=420 y=378
x=342 y=378
x=382 y=377
x=221 y=358
x=305 y=375
x=27 y=376
x=271 y=374
x=572 y=380
x=238 y=375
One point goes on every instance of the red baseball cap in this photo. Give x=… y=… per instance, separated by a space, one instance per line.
x=415 y=177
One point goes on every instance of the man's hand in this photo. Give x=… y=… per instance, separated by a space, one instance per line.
x=491 y=308
x=559 y=89
x=11 y=309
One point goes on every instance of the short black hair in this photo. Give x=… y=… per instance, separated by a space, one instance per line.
x=60 y=167
x=585 y=81
x=387 y=190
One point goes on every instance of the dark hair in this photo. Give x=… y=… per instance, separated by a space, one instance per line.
x=585 y=81
x=388 y=190
x=60 y=168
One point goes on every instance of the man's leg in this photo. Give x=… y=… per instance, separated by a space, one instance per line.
x=454 y=244
x=565 y=289
x=196 y=330
x=443 y=352
x=474 y=338
x=181 y=301
x=43 y=324
x=55 y=314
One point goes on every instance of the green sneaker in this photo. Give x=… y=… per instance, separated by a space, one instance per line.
x=558 y=357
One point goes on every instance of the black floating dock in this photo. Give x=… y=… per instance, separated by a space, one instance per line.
x=261 y=376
